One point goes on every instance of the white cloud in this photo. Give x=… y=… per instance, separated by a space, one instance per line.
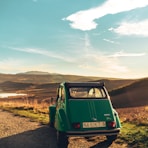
x=132 y=28
x=123 y=54
x=85 y=20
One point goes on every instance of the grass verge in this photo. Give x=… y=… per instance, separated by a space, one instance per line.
x=135 y=135
x=40 y=117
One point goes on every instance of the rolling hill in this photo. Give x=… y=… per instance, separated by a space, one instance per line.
x=35 y=78
x=41 y=78
x=135 y=94
x=14 y=86
x=123 y=92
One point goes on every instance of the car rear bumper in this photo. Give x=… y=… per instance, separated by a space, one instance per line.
x=94 y=132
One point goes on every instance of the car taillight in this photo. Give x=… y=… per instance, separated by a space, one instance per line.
x=76 y=125
x=111 y=124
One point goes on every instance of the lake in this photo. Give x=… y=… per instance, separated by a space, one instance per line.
x=5 y=95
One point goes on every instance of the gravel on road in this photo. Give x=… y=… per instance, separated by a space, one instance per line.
x=20 y=132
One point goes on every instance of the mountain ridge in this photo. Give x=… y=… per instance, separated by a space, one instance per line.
x=44 y=77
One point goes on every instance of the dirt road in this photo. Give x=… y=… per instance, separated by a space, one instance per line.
x=19 y=132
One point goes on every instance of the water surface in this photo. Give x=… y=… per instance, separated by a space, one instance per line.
x=6 y=95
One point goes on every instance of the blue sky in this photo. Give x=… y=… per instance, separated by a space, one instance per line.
x=104 y=38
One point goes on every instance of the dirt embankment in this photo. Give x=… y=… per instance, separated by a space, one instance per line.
x=19 y=132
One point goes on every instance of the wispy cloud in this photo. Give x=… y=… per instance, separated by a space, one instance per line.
x=87 y=40
x=107 y=69
x=9 y=65
x=110 y=41
x=101 y=64
x=132 y=28
x=34 y=0
x=98 y=63
x=85 y=19
x=123 y=54
x=12 y=65
x=94 y=61
x=42 y=52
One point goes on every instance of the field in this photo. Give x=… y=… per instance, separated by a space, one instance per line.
x=129 y=98
x=134 y=120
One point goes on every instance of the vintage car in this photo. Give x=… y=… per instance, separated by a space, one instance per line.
x=83 y=109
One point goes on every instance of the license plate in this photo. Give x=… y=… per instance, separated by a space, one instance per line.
x=94 y=124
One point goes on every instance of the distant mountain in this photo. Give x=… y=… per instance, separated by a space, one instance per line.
x=39 y=77
x=35 y=73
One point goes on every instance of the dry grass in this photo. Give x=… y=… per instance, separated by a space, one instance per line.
x=35 y=104
x=133 y=114
x=134 y=120
x=138 y=115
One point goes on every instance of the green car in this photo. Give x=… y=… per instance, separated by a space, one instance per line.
x=83 y=109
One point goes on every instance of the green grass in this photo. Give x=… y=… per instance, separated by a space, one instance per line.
x=29 y=113
x=134 y=135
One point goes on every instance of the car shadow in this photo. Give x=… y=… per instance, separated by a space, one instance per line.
x=103 y=144
x=43 y=137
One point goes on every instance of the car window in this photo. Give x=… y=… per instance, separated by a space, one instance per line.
x=61 y=94
x=82 y=92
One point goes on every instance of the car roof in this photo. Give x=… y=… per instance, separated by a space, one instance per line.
x=84 y=84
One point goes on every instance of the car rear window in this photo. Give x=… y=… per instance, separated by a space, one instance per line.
x=81 y=92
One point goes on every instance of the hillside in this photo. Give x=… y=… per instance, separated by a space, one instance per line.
x=35 y=73
x=123 y=92
x=38 y=78
x=14 y=86
x=112 y=84
x=43 y=80
x=135 y=94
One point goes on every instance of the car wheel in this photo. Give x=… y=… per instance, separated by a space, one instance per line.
x=62 y=139
x=51 y=124
x=111 y=138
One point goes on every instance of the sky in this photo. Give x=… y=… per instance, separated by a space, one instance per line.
x=103 y=38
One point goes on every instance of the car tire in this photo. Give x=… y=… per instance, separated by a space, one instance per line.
x=62 y=139
x=111 y=138
x=51 y=124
